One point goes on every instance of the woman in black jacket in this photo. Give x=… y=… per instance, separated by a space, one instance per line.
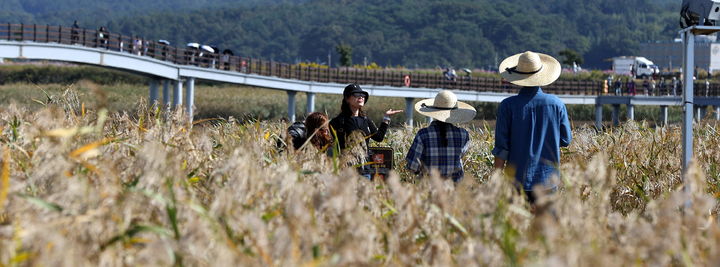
x=352 y=118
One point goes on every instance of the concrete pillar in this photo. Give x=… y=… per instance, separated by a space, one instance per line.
x=616 y=114
x=703 y=112
x=409 y=110
x=291 y=106
x=717 y=113
x=166 y=93
x=189 y=96
x=153 y=92
x=177 y=94
x=664 y=115
x=631 y=112
x=598 y=116
x=310 y=102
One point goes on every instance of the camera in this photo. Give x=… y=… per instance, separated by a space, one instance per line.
x=699 y=12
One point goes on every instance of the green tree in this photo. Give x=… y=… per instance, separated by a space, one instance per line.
x=570 y=56
x=345 y=52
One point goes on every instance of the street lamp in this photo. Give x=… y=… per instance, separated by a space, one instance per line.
x=699 y=12
x=697 y=17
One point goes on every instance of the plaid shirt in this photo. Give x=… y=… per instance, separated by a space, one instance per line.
x=427 y=151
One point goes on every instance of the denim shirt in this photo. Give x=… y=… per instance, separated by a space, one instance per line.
x=530 y=129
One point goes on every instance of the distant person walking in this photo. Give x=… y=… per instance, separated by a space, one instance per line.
x=441 y=145
x=137 y=46
x=662 y=86
x=631 y=86
x=531 y=126
x=102 y=36
x=75 y=32
x=646 y=86
x=653 y=87
x=675 y=84
x=618 y=86
x=707 y=87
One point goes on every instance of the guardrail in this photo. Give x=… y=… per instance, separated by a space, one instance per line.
x=198 y=57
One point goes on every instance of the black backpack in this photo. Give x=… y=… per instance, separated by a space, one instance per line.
x=297 y=133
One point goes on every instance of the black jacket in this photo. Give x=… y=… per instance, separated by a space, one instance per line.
x=344 y=125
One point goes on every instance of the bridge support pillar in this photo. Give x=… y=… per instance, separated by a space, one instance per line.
x=177 y=94
x=717 y=113
x=598 y=116
x=291 y=106
x=616 y=114
x=699 y=113
x=166 y=93
x=631 y=112
x=189 y=96
x=153 y=92
x=663 y=115
x=310 y=103
x=409 y=110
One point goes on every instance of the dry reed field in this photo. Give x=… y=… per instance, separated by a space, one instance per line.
x=84 y=187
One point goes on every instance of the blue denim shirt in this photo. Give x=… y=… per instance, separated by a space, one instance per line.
x=530 y=129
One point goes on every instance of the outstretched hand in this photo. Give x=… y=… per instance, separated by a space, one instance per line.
x=392 y=112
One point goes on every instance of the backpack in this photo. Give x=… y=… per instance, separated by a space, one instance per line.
x=297 y=133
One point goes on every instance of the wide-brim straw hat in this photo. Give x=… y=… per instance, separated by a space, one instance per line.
x=445 y=107
x=530 y=69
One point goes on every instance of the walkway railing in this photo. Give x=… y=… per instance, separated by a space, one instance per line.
x=198 y=57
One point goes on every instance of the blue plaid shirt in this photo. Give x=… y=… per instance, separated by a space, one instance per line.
x=427 y=151
x=529 y=131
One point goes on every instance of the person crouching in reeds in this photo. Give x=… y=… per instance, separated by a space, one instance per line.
x=313 y=130
x=441 y=145
x=318 y=132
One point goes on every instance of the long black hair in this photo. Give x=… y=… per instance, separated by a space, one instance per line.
x=345 y=108
x=443 y=126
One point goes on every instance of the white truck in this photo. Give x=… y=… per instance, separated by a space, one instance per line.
x=642 y=67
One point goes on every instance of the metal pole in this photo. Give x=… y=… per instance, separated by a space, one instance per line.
x=189 y=96
x=153 y=92
x=616 y=114
x=409 y=108
x=291 y=105
x=664 y=115
x=598 y=116
x=688 y=63
x=631 y=112
x=177 y=95
x=310 y=103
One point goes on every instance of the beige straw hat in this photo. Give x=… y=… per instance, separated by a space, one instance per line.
x=530 y=69
x=445 y=107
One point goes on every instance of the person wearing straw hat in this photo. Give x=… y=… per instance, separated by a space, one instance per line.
x=441 y=145
x=531 y=126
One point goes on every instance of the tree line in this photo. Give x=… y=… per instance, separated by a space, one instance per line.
x=409 y=33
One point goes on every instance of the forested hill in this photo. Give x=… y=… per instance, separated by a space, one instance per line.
x=410 y=33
